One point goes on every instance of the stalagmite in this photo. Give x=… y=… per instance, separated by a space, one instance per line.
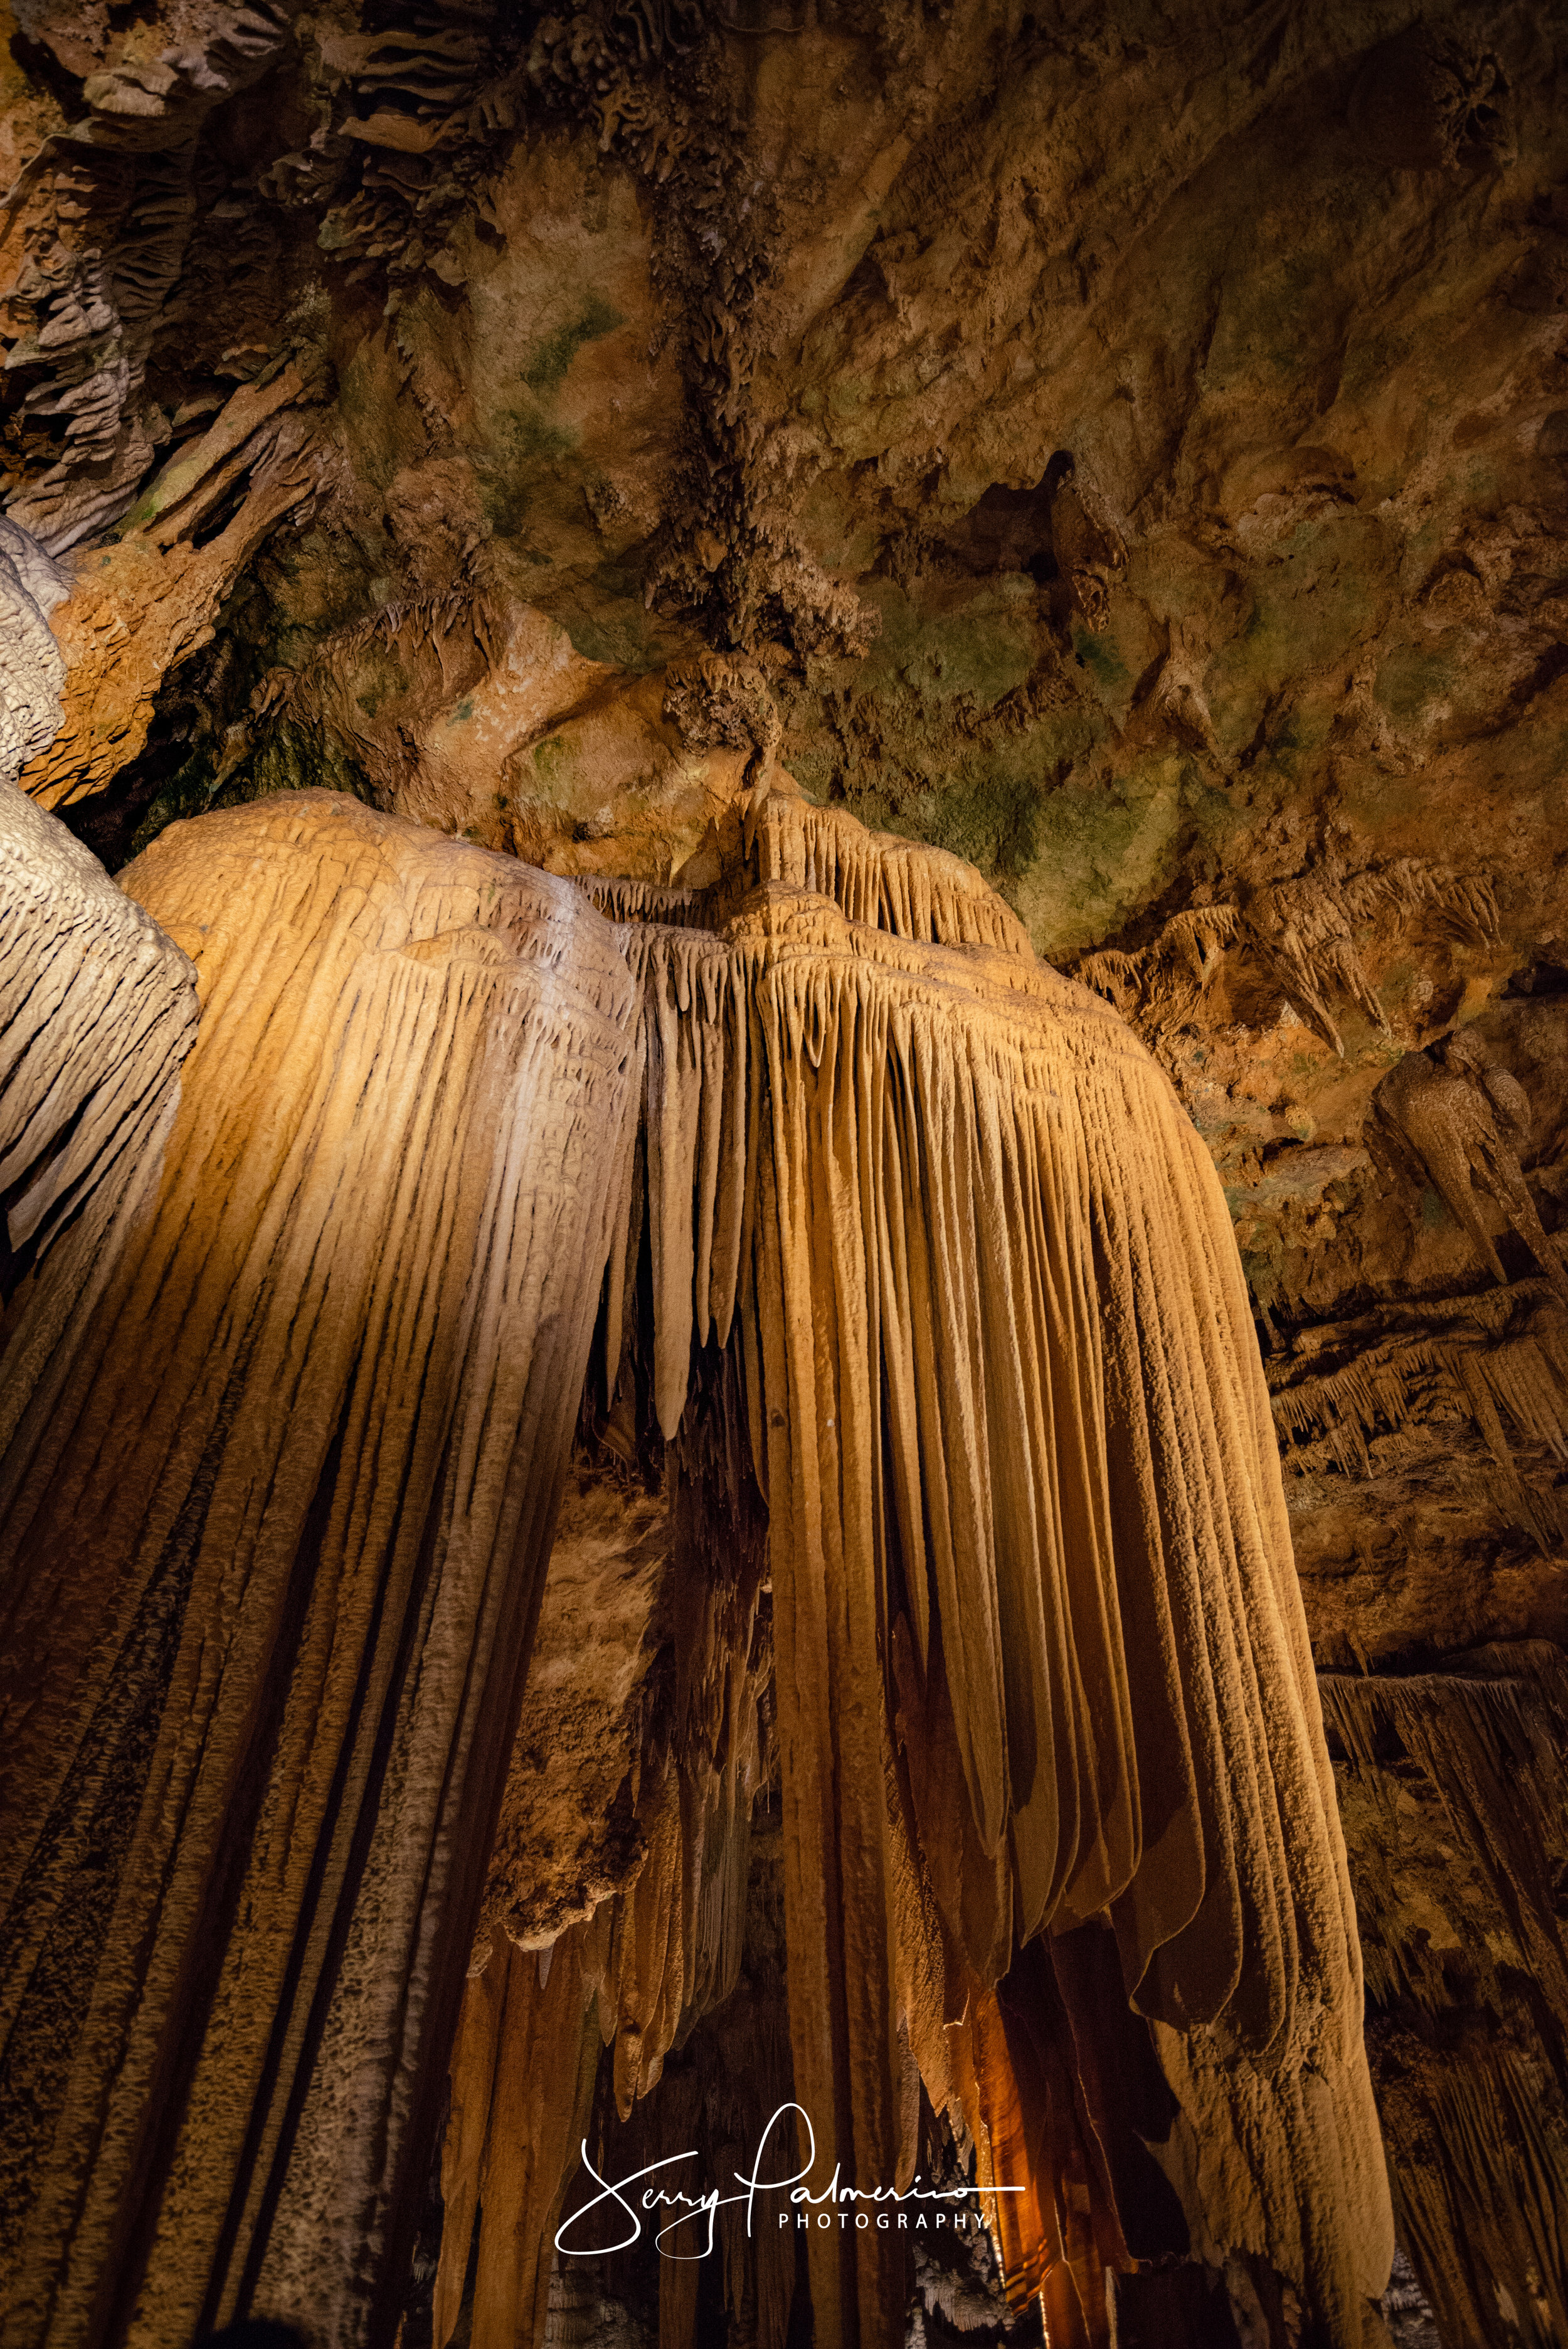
x=267 y=1612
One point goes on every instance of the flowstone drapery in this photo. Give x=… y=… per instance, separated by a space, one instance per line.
x=1039 y=1656
x=271 y=1564
x=983 y=1349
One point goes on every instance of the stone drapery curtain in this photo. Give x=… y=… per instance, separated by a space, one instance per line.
x=273 y=1553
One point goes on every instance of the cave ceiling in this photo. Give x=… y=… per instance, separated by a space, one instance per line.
x=1121 y=447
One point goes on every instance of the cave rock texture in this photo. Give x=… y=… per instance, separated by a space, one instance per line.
x=1038 y=1660
x=783 y=1091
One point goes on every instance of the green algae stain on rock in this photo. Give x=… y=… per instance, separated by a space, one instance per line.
x=1326 y=590
x=618 y=631
x=546 y=360
x=379 y=676
x=550 y=767
x=1101 y=852
x=1413 y=684
x=993 y=821
x=524 y=444
x=1099 y=655
x=980 y=644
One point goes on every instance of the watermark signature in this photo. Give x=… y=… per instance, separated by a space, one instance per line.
x=885 y=2207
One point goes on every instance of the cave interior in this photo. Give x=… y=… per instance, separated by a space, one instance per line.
x=783 y=1166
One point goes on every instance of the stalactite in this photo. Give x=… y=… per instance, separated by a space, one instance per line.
x=1494 y=1755
x=1303 y=931
x=1489 y=2202
x=1022 y=1541
x=1467 y=1121
x=1498 y=1361
x=1480 y=2199
x=1163 y=979
x=139 y=607
x=875 y=879
x=1479 y=2138
x=1025 y=2115
x=271 y=1569
x=649 y=901
x=1069 y=1505
x=1407 y=886
x=916 y=1244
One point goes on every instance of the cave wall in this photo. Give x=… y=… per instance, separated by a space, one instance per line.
x=1124 y=449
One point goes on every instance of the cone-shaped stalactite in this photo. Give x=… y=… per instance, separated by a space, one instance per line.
x=1039 y=1660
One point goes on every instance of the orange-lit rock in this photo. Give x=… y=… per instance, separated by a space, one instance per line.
x=272 y=1565
x=1120 y=459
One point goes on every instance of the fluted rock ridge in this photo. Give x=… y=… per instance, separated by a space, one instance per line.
x=267 y=1611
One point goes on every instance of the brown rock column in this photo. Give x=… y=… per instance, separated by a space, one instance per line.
x=272 y=1568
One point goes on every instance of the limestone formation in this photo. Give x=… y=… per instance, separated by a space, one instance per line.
x=857 y=1138
x=97 y=1013
x=268 y=1617
x=1068 y=1583
x=31 y=583
x=87 y=317
x=1466 y=1121
x=151 y=601
x=662 y=1946
x=867 y=503
x=1457 y=1778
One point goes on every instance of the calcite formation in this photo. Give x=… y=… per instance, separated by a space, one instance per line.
x=1037 y=1659
x=268 y=1611
x=98 y=1010
x=1115 y=458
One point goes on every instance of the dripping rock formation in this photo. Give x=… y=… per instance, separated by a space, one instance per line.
x=783 y=1093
